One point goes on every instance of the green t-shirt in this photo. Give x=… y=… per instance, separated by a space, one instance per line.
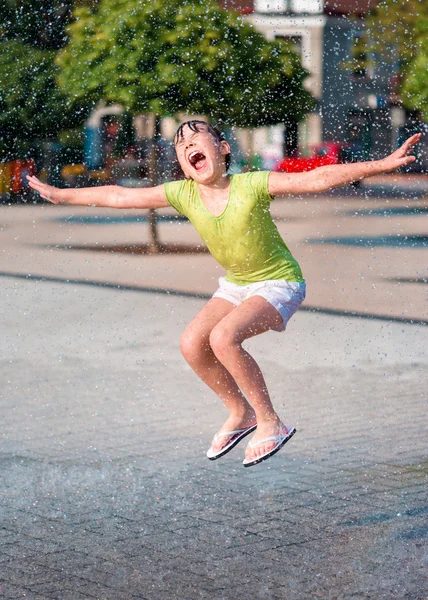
x=243 y=239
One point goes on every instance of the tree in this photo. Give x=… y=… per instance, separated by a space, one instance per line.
x=415 y=88
x=166 y=58
x=402 y=24
x=185 y=56
x=31 y=104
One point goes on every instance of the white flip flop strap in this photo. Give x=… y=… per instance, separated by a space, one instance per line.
x=235 y=432
x=274 y=438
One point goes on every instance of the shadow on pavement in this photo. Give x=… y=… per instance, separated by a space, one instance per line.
x=184 y=294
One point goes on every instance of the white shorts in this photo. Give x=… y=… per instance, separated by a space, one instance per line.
x=285 y=296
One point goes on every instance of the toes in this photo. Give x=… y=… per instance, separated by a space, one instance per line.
x=270 y=447
x=258 y=451
x=261 y=450
x=250 y=454
x=264 y=448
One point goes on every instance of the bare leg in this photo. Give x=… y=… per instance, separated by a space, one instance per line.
x=198 y=353
x=253 y=317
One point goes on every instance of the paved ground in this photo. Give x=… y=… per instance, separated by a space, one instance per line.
x=360 y=253
x=106 y=492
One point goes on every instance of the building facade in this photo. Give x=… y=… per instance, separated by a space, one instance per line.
x=353 y=93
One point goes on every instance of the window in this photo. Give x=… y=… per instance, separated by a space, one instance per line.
x=307 y=6
x=270 y=6
x=287 y=6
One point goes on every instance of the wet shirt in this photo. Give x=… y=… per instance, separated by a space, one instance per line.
x=243 y=239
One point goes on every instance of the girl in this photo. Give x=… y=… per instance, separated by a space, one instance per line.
x=263 y=286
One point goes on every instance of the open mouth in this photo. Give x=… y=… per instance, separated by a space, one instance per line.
x=197 y=159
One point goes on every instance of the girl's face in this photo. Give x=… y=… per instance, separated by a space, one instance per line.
x=201 y=155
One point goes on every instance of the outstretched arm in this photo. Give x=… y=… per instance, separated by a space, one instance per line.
x=113 y=196
x=330 y=176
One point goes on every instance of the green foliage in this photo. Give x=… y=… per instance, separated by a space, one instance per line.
x=31 y=104
x=402 y=25
x=415 y=88
x=395 y=23
x=184 y=56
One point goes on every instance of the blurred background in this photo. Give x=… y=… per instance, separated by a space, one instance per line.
x=91 y=94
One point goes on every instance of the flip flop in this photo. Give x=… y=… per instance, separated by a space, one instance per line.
x=237 y=436
x=281 y=439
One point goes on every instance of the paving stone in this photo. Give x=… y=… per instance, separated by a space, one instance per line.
x=105 y=490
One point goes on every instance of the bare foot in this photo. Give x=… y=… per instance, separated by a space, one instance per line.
x=231 y=424
x=264 y=430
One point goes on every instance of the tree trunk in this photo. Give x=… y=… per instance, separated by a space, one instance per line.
x=153 y=176
x=291 y=138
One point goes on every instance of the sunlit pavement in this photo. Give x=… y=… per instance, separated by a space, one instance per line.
x=364 y=252
x=106 y=490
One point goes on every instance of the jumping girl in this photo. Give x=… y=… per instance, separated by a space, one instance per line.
x=263 y=286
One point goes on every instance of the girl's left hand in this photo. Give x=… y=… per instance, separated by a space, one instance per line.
x=402 y=156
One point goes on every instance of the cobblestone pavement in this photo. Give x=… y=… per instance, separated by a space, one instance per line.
x=106 y=492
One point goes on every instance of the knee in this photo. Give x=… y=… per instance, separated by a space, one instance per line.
x=192 y=345
x=223 y=342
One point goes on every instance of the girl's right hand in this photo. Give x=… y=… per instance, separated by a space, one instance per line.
x=48 y=192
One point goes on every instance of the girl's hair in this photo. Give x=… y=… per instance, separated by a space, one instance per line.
x=195 y=125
